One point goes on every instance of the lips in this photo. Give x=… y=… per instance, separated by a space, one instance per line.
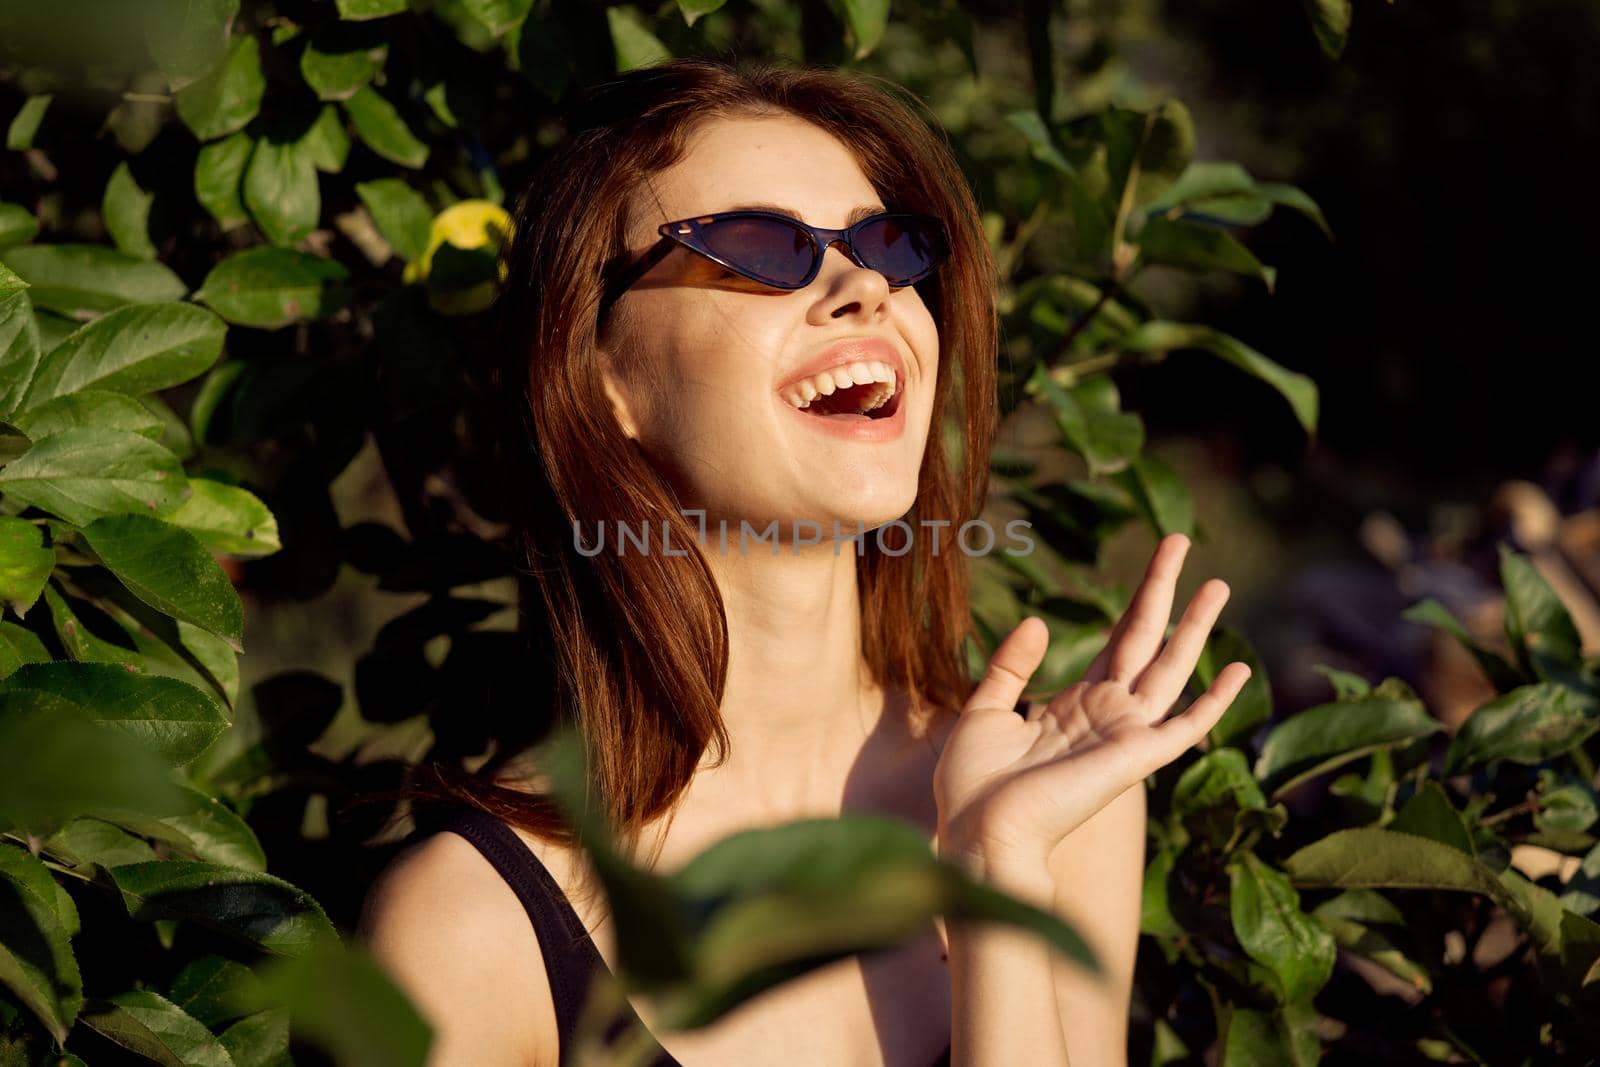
x=849 y=350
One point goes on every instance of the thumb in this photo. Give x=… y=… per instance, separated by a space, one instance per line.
x=1012 y=664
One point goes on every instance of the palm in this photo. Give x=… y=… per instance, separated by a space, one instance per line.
x=1010 y=786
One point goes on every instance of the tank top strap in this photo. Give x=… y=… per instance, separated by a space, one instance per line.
x=571 y=959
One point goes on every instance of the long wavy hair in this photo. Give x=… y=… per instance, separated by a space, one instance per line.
x=632 y=650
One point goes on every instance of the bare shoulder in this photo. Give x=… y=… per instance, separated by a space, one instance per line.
x=453 y=935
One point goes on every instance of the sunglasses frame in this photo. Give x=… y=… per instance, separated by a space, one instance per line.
x=686 y=232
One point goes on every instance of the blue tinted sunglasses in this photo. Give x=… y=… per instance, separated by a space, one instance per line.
x=784 y=253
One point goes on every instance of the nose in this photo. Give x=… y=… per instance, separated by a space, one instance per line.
x=858 y=291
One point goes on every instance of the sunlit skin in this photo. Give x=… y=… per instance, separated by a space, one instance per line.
x=692 y=355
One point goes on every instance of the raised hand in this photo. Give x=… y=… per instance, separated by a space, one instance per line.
x=1009 y=789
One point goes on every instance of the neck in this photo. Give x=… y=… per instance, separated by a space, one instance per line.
x=800 y=704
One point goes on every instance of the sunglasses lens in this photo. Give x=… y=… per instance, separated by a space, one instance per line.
x=903 y=248
x=765 y=249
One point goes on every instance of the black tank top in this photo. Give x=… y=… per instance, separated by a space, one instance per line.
x=571 y=959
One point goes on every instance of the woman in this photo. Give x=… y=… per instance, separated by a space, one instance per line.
x=739 y=303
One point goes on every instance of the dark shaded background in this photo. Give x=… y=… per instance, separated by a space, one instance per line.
x=1454 y=150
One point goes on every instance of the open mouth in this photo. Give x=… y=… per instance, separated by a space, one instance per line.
x=858 y=391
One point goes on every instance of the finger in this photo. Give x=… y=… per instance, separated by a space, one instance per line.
x=1098 y=669
x=1012 y=664
x=1164 y=678
x=1184 y=730
x=1146 y=617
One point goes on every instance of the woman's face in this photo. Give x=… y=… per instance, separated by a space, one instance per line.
x=704 y=366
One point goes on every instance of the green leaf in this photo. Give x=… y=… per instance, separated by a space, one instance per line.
x=1040 y=144
x=25 y=124
x=169 y=569
x=126 y=210
x=1202 y=183
x=57 y=764
x=1429 y=813
x=542 y=56
x=342 y=57
x=1199 y=247
x=381 y=128
x=785 y=900
x=1216 y=798
x=77 y=278
x=1135 y=156
x=273 y=287
x=1528 y=725
x=82 y=645
x=369 y=9
x=136 y=349
x=1536 y=910
x=1155 y=908
x=188 y=37
x=17 y=225
x=1224 y=193
x=19 y=645
x=215 y=989
x=256 y=909
x=34 y=879
x=1502 y=675
x=634 y=45
x=1297 y=389
x=1221 y=777
x=83 y=475
x=280 y=191
x=1253 y=706
x=693 y=9
x=1372 y=858
x=499 y=16
x=865 y=21
x=148 y=1024
x=163 y=714
x=55 y=328
x=1541 y=632
x=37 y=964
x=325 y=142
x=1361 y=905
x=1295 y=199
x=1252 y=1037
x=761 y=906
x=1161 y=493
x=88 y=409
x=1372 y=945
x=1106 y=438
x=1331 y=21
x=229 y=96
x=219 y=175
x=97 y=842
x=228 y=520
x=1346 y=686
x=401 y=214
x=20 y=345
x=1566 y=804
x=262 y=1040
x=1319 y=739
x=206 y=830
x=1270 y=926
x=166 y=645
x=25 y=563
x=343 y=1002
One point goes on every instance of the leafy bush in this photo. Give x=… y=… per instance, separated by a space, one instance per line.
x=283 y=251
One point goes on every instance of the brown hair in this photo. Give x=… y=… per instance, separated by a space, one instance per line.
x=632 y=649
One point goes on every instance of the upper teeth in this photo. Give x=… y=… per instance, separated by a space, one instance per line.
x=825 y=383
